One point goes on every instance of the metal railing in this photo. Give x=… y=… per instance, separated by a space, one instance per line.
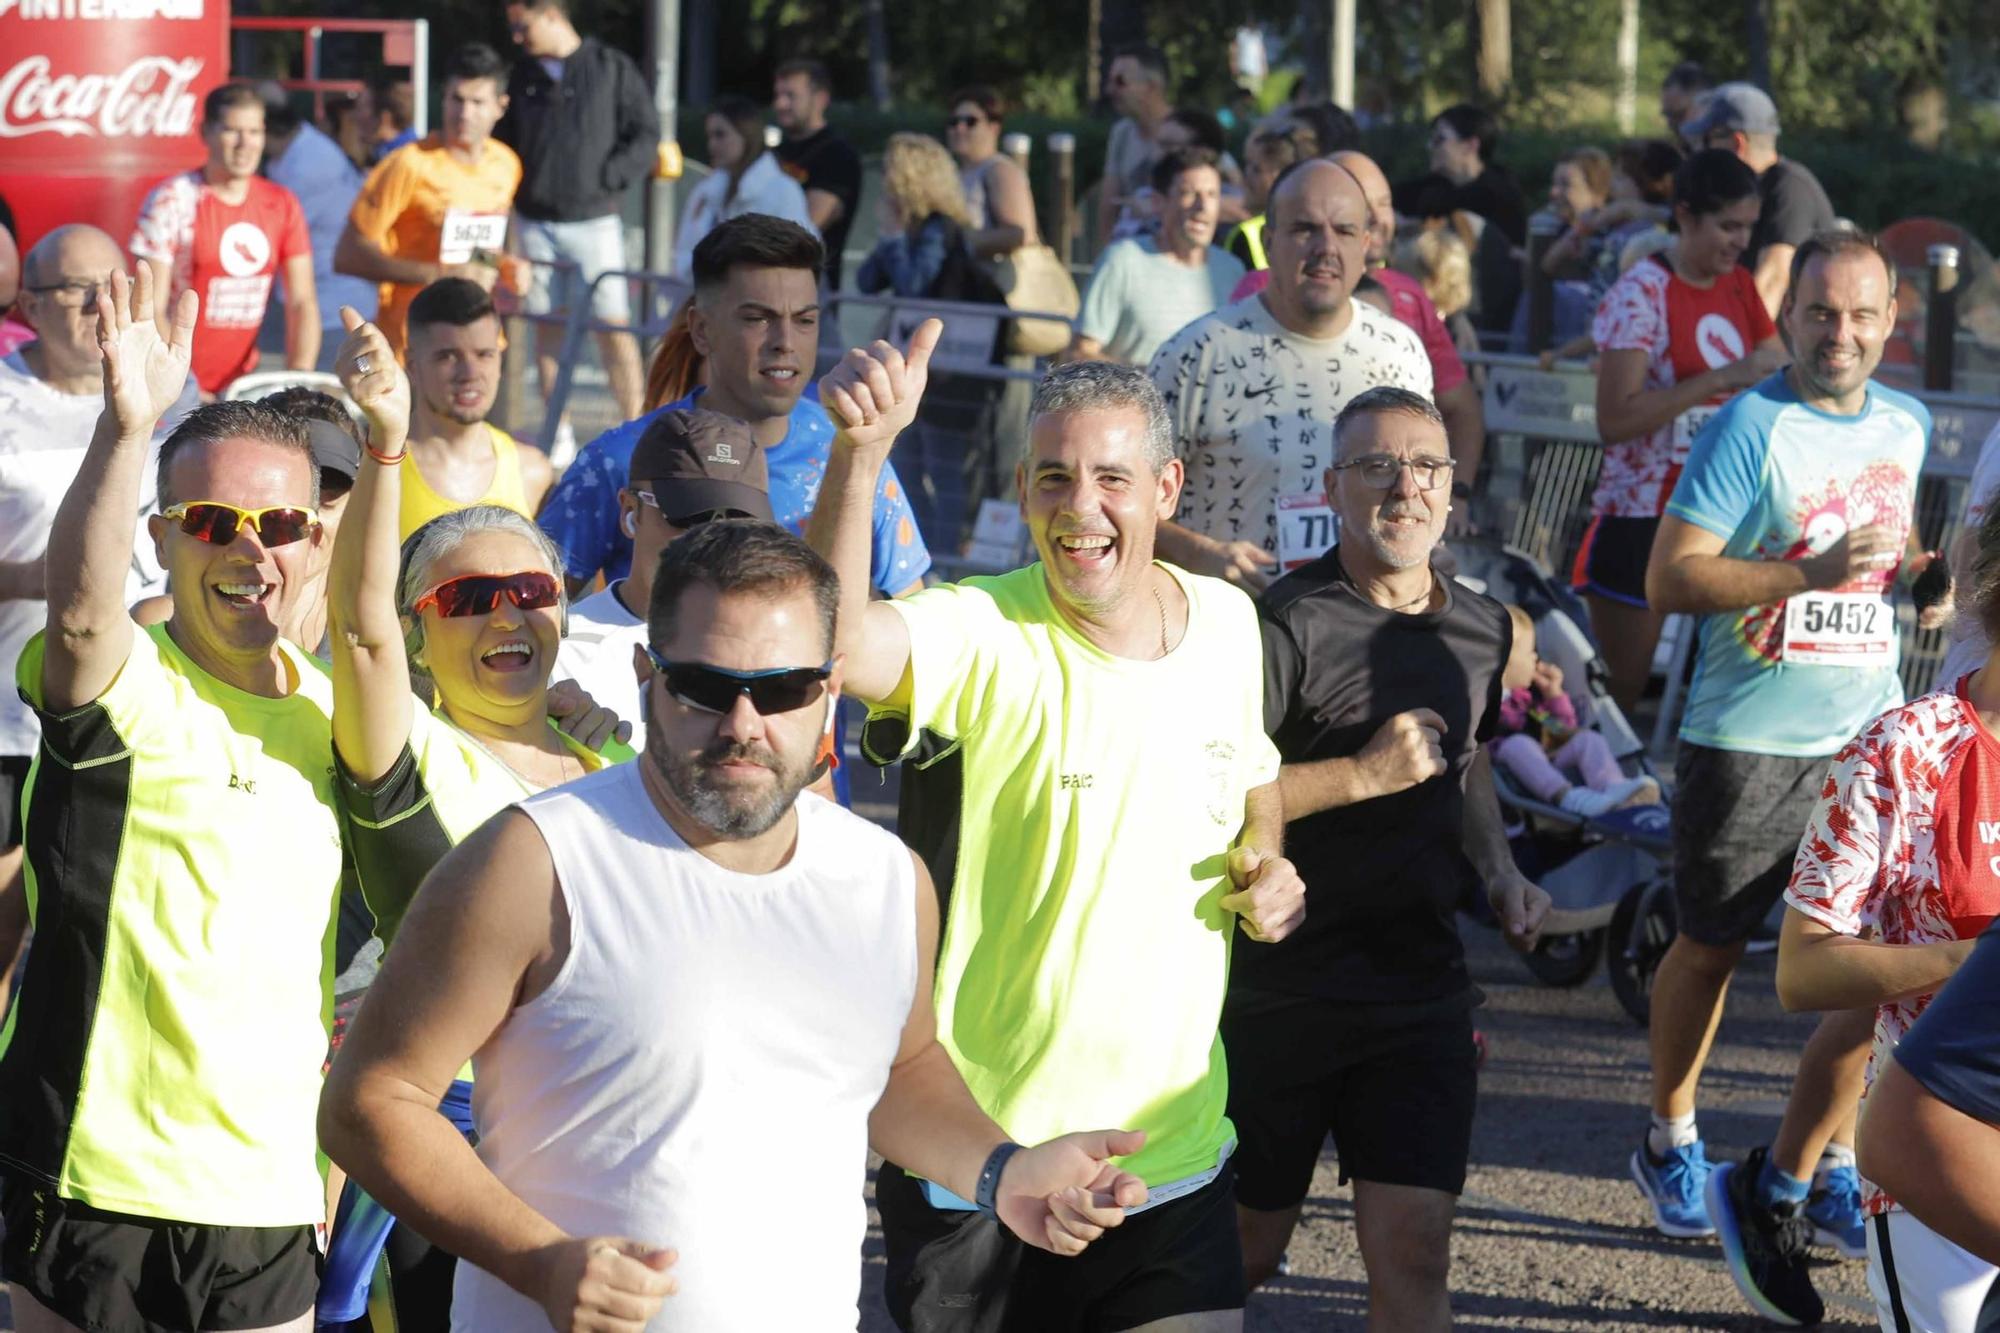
x=405 y=42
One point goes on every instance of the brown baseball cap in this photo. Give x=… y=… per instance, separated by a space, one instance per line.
x=697 y=462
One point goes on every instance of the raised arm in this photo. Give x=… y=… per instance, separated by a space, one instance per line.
x=90 y=544
x=872 y=396
x=488 y=931
x=1688 y=573
x=372 y=702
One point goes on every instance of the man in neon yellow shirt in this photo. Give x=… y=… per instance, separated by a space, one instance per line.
x=1117 y=815
x=160 y=1070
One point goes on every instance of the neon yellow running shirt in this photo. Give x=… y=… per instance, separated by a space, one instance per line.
x=1084 y=957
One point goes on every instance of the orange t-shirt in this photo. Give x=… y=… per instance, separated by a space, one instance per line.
x=423 y=203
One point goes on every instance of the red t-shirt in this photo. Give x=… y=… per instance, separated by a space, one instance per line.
x=1684 y=330
x=227 y=255
x=1904 y=845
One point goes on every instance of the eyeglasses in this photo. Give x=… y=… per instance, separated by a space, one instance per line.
x=693 y=520
x=964 y=122
x=479 y=594
x=715 y=689
x=1380 y=471
x=73 y=295
x=218 y=524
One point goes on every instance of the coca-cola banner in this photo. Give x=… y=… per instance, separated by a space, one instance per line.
x=99 y=99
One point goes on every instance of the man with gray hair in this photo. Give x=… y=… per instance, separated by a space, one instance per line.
x=1382 y=683
x=1095 y=792
x=1742 y=118
x=1252 y=386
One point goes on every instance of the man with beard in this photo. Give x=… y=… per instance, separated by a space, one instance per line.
x=1099 y=794
x=1254 y=387
x=696 y=1000
x=1381 y=687
x=1147 y=288
x=456 y=458
x=1784 y=537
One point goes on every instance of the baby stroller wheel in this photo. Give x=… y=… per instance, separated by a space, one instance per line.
x=1565 y=960
x=1641 y=930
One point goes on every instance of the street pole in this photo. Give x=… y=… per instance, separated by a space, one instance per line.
x=1628 y=65
x=1342 y=61
x=663 y=41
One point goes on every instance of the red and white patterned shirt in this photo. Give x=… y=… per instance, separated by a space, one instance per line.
x=227 y=254
x=1904 y=844
x=1684 y=330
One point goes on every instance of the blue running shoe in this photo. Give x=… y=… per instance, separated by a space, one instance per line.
x=1674 y=1185
x=1835 y=1212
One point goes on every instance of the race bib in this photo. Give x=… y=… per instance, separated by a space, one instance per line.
x=1688 y=425
x=1307 y=529
x=466 y=232
x=1843 y=629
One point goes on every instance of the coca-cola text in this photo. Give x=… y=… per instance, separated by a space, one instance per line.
x=151 y=97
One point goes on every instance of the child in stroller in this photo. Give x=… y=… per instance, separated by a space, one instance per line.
x=1544 y=750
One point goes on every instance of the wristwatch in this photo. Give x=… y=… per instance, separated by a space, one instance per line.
x=985 y=1194
x=1461 y=490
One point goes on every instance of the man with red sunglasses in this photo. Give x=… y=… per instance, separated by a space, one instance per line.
x=158 y=1079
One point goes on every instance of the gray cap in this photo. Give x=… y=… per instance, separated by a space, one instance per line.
x=1743 y=107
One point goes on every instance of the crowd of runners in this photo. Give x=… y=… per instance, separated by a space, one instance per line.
x=414 y=947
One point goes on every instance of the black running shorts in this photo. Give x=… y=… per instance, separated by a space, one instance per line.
x=1393 y=1084
x=102 y=1270
x=1737 y=821
x=963 y=1272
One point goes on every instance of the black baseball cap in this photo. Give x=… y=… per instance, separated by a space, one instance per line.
x=333 y=449
x=697 y=462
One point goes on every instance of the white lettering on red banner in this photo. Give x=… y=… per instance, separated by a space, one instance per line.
x=152 y=97
x=101 y=9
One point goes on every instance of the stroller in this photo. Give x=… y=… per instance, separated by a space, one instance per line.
x=1608 y=875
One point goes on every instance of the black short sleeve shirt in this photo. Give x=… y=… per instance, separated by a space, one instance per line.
x=1383 y=877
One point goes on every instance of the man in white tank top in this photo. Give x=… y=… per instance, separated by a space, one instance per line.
x=693 y=999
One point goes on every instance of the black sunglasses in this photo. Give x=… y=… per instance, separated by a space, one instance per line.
x=964 y=122
x=716 y=689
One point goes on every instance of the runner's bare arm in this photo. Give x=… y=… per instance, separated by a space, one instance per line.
x=1688 y=573
x=1465 y=428
x=1774 y=275
x=1058 y=1196
x=872 y=396
x=825 y=208
x=1404 y=751
x=1627 y=409
x=1820 y=968
x=1245 y=564
x=372 y=703
x=1519 y=905
x=487 y=932
x=302 y=331
x=90 y=543
x=538 y=477
x=358 y=257
x=1922 y=1151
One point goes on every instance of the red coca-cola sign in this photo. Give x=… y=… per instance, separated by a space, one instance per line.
x=99 y=99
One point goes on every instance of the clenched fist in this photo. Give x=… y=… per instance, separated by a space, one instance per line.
x=1404 y=752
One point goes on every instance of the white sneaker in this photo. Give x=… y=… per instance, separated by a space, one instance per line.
x=1588 y=804
x=562 y=452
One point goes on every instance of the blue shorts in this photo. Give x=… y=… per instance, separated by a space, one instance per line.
x=1612 y=560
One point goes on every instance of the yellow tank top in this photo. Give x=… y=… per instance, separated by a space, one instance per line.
x=421 y=504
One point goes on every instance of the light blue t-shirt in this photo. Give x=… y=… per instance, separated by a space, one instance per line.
x=582 y=512
x=1139 y=298
x=314 y=168
x=1778 y=480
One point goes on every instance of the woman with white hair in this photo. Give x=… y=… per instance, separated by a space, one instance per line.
x=442 y=651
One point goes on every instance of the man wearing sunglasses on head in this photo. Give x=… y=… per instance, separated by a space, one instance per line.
x=158 y=1074
x=1091 y=778
x=689 y=467
x=1381 y=685
x=696 y=1000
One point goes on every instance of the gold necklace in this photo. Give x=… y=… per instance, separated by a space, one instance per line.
x=1160 y=602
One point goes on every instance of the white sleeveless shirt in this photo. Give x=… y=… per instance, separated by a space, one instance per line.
x=700 y=1072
